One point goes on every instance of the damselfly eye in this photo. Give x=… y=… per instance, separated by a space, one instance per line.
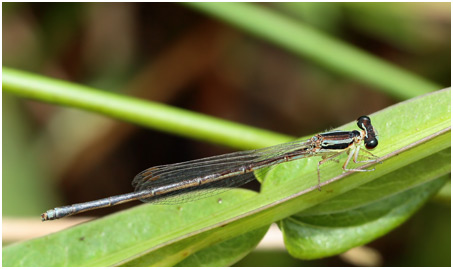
x=371 y=144
x=363 y=121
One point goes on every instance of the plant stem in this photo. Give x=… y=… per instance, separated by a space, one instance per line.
x=146 y=113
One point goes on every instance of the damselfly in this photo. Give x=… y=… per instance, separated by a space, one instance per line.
x=167 y=183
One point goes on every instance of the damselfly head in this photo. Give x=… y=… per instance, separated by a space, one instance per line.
x=370 y=140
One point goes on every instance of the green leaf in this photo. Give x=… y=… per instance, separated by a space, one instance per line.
x=227 y=252
x=365 y=213
x=165 y=235
x=119 y=237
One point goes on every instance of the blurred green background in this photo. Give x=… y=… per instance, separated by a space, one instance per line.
x=193 y=58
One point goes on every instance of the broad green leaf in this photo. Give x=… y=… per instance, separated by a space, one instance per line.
x=118 y=237
x=365 y=213
x=444 y=195
x=166 y=235
x=200 y=250
x=227 y=252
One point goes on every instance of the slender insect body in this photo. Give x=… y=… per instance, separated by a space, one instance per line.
x=166 y=182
